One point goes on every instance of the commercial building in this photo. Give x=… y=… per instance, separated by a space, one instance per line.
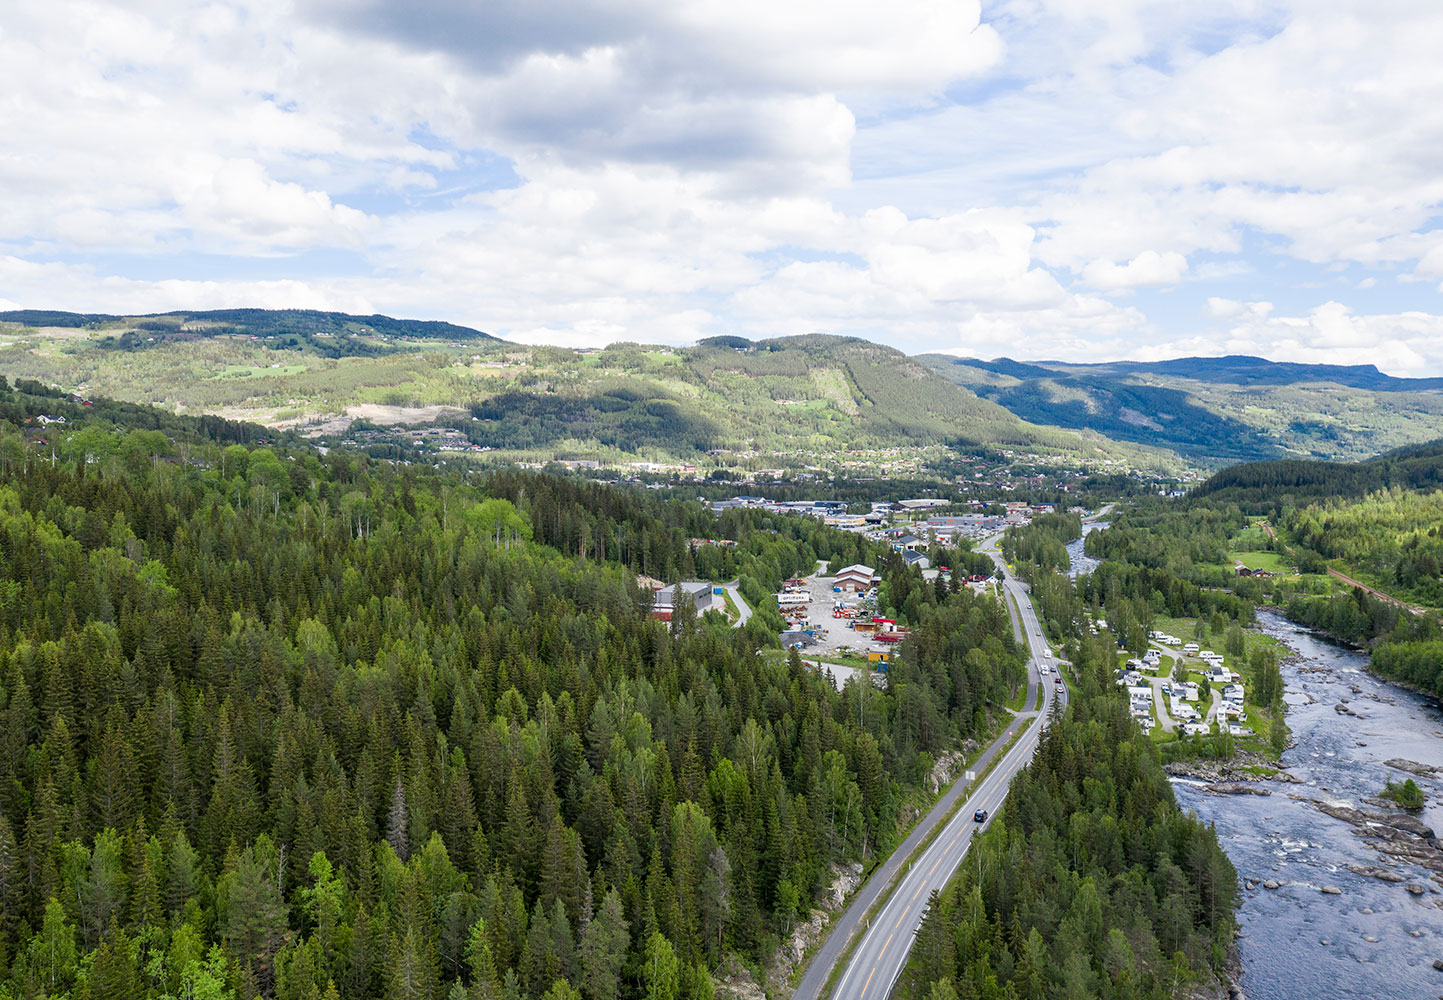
x=664 y=603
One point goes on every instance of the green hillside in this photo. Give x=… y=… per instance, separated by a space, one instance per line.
x=792 y=402
x=306 y=329
x=1216 y=411
x=1260 y=486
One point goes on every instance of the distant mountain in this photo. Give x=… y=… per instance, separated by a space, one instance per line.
x=1215 y=411
x=794 y=395
x=786 y=402
x=1243 y=369
x=303 y=327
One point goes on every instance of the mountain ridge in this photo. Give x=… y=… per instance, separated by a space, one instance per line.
x=306 y=321
x=1245 y=369
x=1215 y=411
x=794 y=396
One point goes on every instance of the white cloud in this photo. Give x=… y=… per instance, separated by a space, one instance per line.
x=1320 y=133
x=1147 y=268
x=1033 y=178
x=80 y=289
x=1221 y=308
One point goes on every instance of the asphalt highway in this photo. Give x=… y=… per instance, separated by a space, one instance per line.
x=887 y=939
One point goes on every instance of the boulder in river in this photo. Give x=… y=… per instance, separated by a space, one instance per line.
x=1373 y=871
x=1395 y=834
x=1413 y=767
x=1331 y=890
x=1236 y=788
x=1414 y=888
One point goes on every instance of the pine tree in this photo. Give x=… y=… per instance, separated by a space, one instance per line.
x=412 y=971
x=482 y=966
x=107 y=888
x=255 y=917
x=113 y=973
x=539 y=963
x=603 y=950
x=10 y=879
x=397 y=823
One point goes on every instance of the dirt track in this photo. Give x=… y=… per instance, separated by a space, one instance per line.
x=1345 y=578
x=1376 y=593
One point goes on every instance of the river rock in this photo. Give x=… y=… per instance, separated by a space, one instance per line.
x=1395 y=834
x=1414 y=888
x=1370 y=939
x=1367 y=911
x=1271 y=884
x=1412 y=767
x=1331 y=890
x=1438 y=964
x=1235 y=788
x=1373 y=871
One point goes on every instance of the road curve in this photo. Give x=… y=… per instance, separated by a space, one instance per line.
x=887 y=939
x=744 y=611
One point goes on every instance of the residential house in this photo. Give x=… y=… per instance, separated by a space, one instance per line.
x=913 y=558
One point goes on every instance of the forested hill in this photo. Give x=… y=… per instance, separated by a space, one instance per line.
x=791 y=402
x=1259 y=485
x=1216 y=410
x=288 y=725
x=331 y=333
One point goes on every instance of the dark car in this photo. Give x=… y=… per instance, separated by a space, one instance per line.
x=980 y=816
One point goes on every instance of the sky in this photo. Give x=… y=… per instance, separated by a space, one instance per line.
x=1037 y=179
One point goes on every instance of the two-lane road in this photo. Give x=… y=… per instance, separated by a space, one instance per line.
x=887 y=939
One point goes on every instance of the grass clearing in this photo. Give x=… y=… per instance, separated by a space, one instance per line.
x=232 y=372
x=1254 y=559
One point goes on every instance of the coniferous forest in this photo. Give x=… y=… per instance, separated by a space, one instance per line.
x=283 y=724
x=1090 y=882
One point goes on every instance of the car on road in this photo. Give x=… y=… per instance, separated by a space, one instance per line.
x=1039 y=631
x=980 y=816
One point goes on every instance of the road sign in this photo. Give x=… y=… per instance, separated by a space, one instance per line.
x=971 y=775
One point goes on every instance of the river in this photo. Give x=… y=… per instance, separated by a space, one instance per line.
x=1080 y=562
x=1339 y=759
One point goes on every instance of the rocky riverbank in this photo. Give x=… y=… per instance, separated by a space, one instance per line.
x=1239 y=775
